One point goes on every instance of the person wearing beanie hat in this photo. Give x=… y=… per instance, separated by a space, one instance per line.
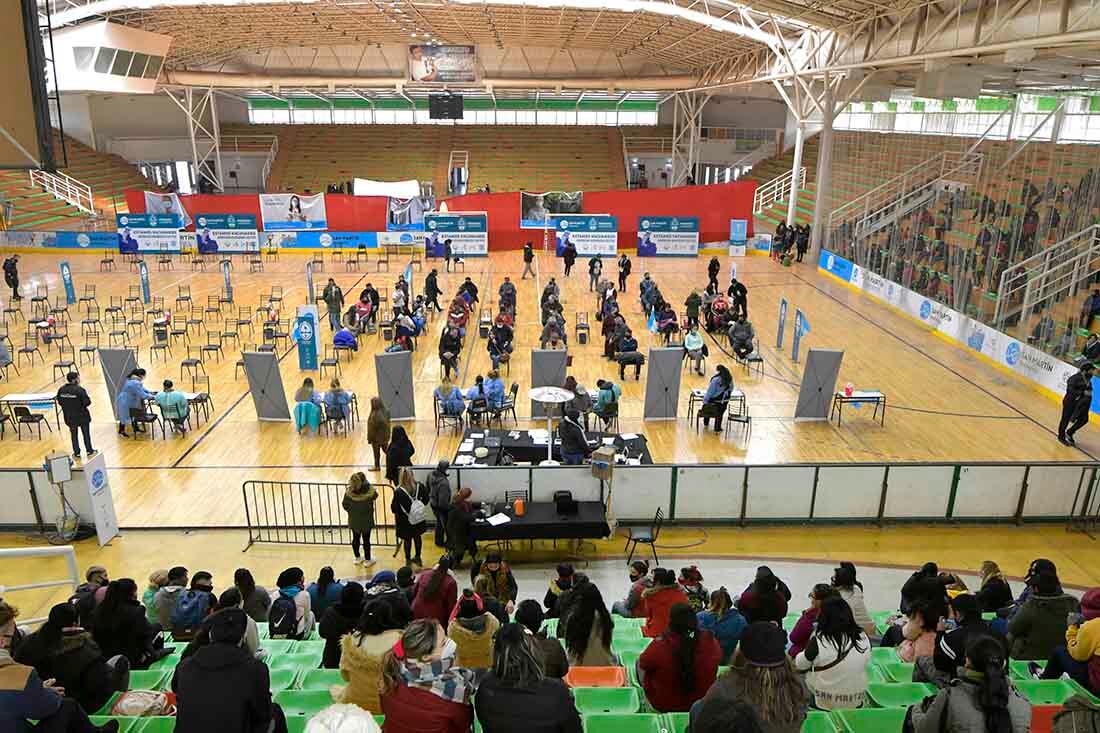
x=221 y=686
x=439 y=497
x=1080 y=657
x=63 y=651
x=404 y=581
x=473 y=629
x=631 y=606
x=559 y=585
x=339 y=619
x=659 y=601
x=762 y=676
x=1039 y=627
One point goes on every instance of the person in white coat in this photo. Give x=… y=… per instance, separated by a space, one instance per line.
x=343 y=719
x=836 y=658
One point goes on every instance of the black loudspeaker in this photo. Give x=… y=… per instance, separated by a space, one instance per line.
x=564 y=504
x=445 y=106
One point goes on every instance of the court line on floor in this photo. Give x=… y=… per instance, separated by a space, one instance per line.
x=934 y=360
x=247 y=392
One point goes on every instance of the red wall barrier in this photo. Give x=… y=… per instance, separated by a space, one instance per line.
x=714 y=205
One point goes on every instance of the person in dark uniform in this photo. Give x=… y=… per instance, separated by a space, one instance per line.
x=74 y=403
x=739 y=297
x=528 y=258
x=448 y=254
x=624 y=272
x=1075 y=405
x=713 y=268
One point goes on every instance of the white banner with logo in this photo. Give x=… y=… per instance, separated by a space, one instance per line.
x=1046 y=371
x=290 y=212
x=164 y=204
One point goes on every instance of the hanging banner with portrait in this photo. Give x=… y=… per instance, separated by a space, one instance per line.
x=290 y=212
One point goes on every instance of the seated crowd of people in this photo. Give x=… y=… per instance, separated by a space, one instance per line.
x=433 y=651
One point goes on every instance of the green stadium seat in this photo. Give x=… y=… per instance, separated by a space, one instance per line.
x=550 y=626
x=790 y=620
x=294 y=661
x=281 y=679
x=296 y=724
x=1018 y=670
x=320 y=679
x=898 y=671
x=899 y=695
x=106 y=709
x=156 y=725
x=609 y=723
x=871 y=720
x=881 y=655
x=626 y=633
x=303 y=702
x=875 y=674
x=1047 y=692
x=818 y=721
x=618 y=646
x=125 y=725
x=149 y=679
x=278 y=646
x=380 y=719
x=621 y=621
x=166 y=664
x=308 y=647
x=618 y=700
x=264 y=631
x=677 y=722
x=881 y=619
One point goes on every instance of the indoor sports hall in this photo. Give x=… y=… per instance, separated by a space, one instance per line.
x=663 y=298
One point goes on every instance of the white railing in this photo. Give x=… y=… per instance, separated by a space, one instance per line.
x=66 y=188
x=753 y=157
x=65 y=551
x=777 y=189
x=269 y=161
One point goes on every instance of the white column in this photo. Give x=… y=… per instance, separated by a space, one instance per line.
x=823 y=176
x=795 y=168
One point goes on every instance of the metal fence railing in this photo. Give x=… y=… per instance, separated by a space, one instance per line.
x=66 y=188
x=777 y=189
x=9 y=557
x=309 y=513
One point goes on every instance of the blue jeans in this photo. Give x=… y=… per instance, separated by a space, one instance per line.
x=334 y=320
x=1060 y=661
x=572 y=459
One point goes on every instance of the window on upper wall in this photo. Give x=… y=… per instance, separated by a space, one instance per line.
x=83 y=57
x=104 y=59
x=121 y=63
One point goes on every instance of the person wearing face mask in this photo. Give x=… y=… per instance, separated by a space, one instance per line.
x=222 y=686
x=632 y=606
x=423 y=688
x=964 y=622
x=472 y=627
x=132 y=397
x=558 y=586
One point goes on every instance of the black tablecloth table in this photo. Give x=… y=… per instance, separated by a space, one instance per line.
x=523 y=448
x=541 y=521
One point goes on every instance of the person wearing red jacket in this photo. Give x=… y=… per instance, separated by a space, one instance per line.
x=422 y=688
x=659 y=600
x=435 y=593
x=679 y=666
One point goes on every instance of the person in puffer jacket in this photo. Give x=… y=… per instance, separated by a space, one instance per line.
x=724 y=621
x=1080 y=657
x=1039 y=626
x=343 y=719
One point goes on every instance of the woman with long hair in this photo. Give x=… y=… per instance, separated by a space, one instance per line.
x=408 y=531
x=120 y=625
x=724 y=621
x=324 y=591
x=836 y=657
x=423 y=688
x=399 y=454
x=994 y=592
x=587 y=630
x=255 y=599
x=358 y=502
x=804 y=627
x=981 y=700
x=516 y=694
x=378 y=430
x=435 y=592
x=763 y=676
x=851 y=590
x=680 y=665
x=63 y=651
x=361 y=651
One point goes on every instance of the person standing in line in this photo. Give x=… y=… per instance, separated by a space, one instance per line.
x=432 y=291
x=11 y=276
x=359 y=504
x=74 y=401
x=528 y=258
x=334 y=301
x=439 y=490
x=448 y=254
x=624 y=271
x=378 y=430
x=713 y=268
x=1075 y=405
x=595 y=269
x=569 y=256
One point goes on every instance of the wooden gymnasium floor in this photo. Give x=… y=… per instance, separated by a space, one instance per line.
x=944 y=403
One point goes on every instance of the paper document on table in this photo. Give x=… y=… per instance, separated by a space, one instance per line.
x=467 y=446
x=477 y=435
x=628 y=436
x=466 y=460
x=498 y=519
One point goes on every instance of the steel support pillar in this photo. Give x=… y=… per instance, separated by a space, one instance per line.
x=687 y=122
x=201 y=110
x=824 y=174
x=796 y=168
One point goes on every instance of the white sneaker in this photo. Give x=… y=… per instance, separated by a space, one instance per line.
x=358 y=560
x=368 y=564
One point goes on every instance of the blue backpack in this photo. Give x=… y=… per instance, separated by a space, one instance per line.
x=191 y=608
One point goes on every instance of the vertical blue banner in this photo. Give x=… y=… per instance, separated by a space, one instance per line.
x=228 y=282
x=800 y=327
x=782 y=323
x=67 y=279
x=309 y=282
x=143 y=272
x=306 y=330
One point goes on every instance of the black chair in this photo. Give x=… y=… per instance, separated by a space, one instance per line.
x=331 y=361
x=509 y=405
x=478 y=411
x=23 y=416
x=646 y=536
x=442 y=419
x=140 y=416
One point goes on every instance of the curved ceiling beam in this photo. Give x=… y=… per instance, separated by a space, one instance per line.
x=99 y=8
